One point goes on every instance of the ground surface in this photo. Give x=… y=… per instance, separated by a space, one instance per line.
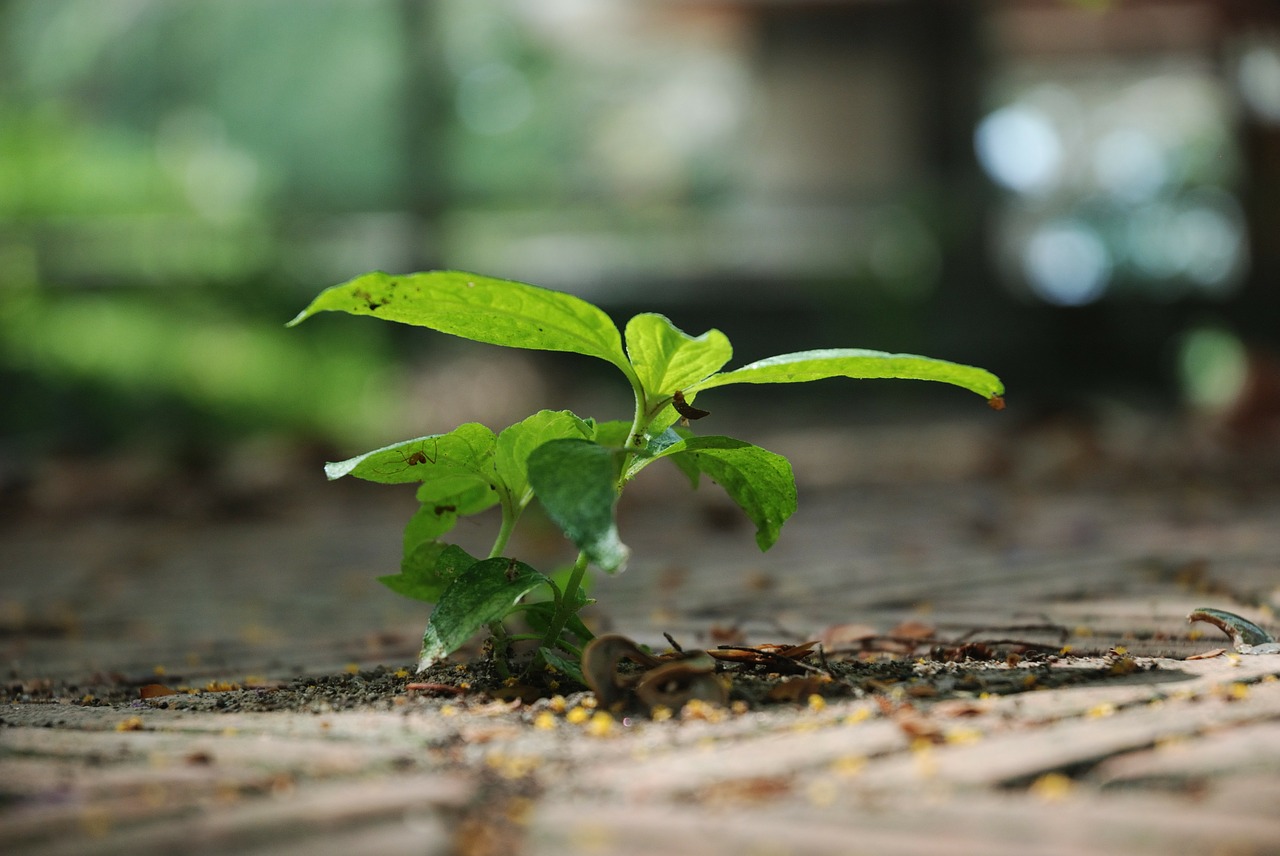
x=1068 y=555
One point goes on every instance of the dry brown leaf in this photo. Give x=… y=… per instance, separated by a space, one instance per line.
x=1208 y=655
x=846 y=635
x=913 y=630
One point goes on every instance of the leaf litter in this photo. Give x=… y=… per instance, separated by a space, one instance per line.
x=629 y=678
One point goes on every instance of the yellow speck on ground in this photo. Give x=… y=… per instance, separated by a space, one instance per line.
x=1052 y=787
x=512 y=766
x=1234 y=691
x=601 y=724
x=862 y=714
x=699 y=709
x=963 y=736
x=848 y=765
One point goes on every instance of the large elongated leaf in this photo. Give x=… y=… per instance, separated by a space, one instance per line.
x=576 y=482
x=480 y=308
x=482 y=594
x=857 y=363
x=760 y=482
x=465 y=451
x=666 y=358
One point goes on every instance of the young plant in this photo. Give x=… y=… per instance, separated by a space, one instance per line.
x=575 y=467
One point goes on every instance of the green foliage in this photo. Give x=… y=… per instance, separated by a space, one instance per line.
x=577 y=482
x=576 y=468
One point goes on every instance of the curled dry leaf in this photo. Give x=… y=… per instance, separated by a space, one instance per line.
x=847 y=635
x=669 y=682
x=913 y=630
x=686 y=410
x=1208 y=655
x=1246 y=637
x=773 y=656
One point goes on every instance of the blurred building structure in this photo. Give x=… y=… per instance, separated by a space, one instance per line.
x=1080 y=195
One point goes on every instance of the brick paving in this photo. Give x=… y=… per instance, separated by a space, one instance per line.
x=965 y=531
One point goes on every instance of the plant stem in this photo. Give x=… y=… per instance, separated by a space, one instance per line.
x=510 y=514
x=501 y=641
x=638 y=437
x=635 y=437
x=564 y=603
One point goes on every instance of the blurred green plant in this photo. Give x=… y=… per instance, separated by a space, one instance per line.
x=575 y=467
x=236 y=372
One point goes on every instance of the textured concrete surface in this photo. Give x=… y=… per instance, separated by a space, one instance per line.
x=1083 y=541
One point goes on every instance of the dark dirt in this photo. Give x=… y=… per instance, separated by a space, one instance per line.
x=925 y=679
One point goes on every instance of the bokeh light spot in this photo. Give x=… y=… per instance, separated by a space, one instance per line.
x=1019 y=148
x=1067 y=264
x=1213 y=367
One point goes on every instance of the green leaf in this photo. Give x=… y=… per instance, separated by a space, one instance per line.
x=657 y=448
x=465 y=451
x=482 y=594
x=516 y=442
x=429 y=522
x=480 y=308
x=612 y=433
x=570 y=668
x=760 y=482
x=427 y=570
x=443 y=502
x=575 y=480
x=539 y=615
x=666 y=358
x=458 y=493
x=856 y=363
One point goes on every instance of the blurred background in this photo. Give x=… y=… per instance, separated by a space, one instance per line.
x=1083 y=197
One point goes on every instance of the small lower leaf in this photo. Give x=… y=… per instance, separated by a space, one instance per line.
x=482 y=594
x=760 y=482
x=427 y=569
x=516 y=442
x=568 y=666
x=539 y=615
x=575 y=480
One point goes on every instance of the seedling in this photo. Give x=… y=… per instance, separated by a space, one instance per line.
x=575 y=467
